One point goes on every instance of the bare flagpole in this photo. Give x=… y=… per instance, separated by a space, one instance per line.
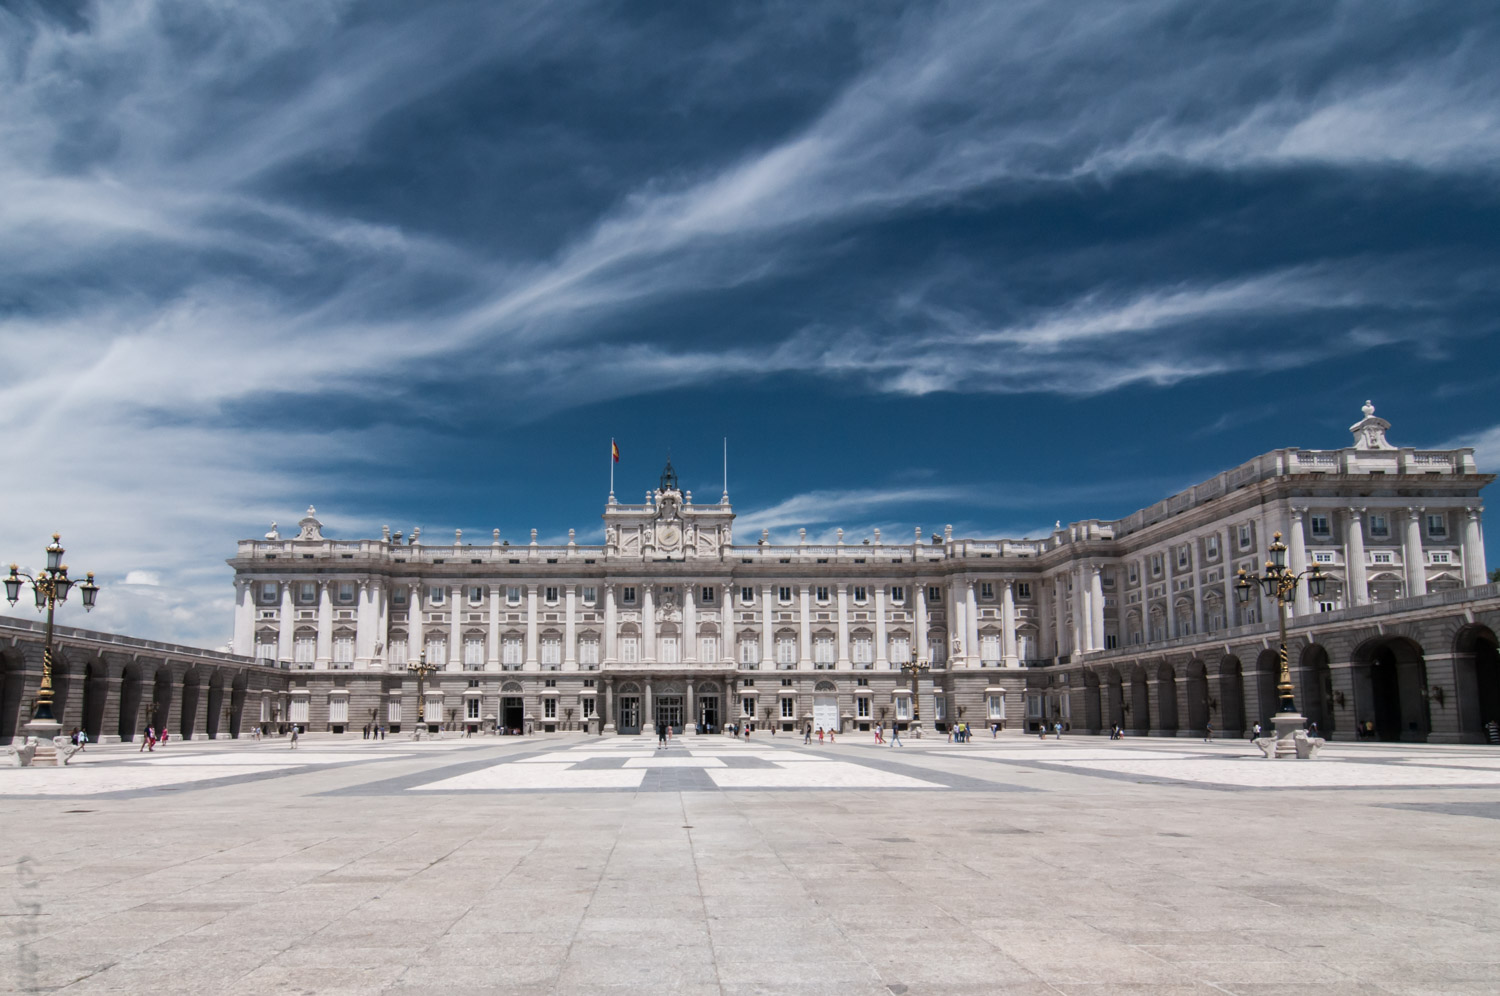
x=611 y=466
x=726 y=466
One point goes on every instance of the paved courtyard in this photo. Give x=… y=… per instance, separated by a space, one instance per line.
x=588 y=865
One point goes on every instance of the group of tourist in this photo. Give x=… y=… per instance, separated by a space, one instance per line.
x=79 y=738
x=374 y=732
x=960 y=734
x=151 y=739
x=807 y=734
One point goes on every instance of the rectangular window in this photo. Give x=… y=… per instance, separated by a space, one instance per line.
x=630 y=649
x=510 y=651
x=987 y=589
x=304 y=649
x=989 y=648
x=513 y=595
x=435 y=595
x=396 y=652
x=474 y=651
x=437 y=650
x=940 y=708
x=903 y=708
x=1379 y=526
x=784 y=594
x=268 y=594
x=398 y=597
x=393 y=712
x=749 y=651
x=590 y=594
x=747 y=595
x=788 y=707
x=471 y=707
x=1023 y=589
x=588 y=653
x=586 y=706
x=1245 y=536
x=708 y=648
x=747 y=706
x=551 y=650
x=1212 y=545
x=627 y=594
x=1380 y=558
x=706 y=595
x=863 y=650
x=1131 y=574
x=667 y=650
x=265 y=649
x=898 y=594
x=861 y=594
x=1182 y=556
x=1321 y=526
x=934 y=593
x=343 y=649
x=1440 y=557
x=549 y=594
x=900 y=650
x=346 y=592
x=476 y=594
x=1322 y=557
x=822 y=594
x=823 y=650
x=309 y=593
x=1156 y=565
x=996 y=705
x=299 y=709
x=1437 y=525
x=862 y=707
x=1325 y=606
x=549 y=708
x=786 y=650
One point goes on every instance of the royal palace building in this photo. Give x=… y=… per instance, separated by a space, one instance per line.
x=672 y=621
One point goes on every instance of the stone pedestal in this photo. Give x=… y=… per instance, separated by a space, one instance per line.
x=1291 y=740
x=46 y=751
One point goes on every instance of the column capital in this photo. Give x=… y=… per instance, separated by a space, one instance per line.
x=532 y=586
x=1415 y=511
x=1473 y=510
x=242 y=584
x=570 y=588
x=1010 y=584
x=842 y=587
x=1355 y=511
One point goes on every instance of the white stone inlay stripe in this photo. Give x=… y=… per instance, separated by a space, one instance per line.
x=1263 y=773
x=674 y=762
x=514 y=776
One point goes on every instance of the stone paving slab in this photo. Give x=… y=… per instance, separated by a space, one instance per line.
x=492 y=866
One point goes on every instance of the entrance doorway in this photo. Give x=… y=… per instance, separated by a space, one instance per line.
x=630 y=715
x=826 y=713
x=513 y=714
x=669 y=711
x=708 y=713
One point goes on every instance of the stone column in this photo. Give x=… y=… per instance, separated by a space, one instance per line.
x=804 y=626
x=287 y=623
x=1059 y=615
x=1354 y=536
x=726 y=625
x=1229 y=597
x=611 y=632
x=1297 y=554
x=1096 y=607
x=882 y=652
x=415 y=634
x=364 y=623
x=1171 y=595
x=244 y=617
x=325 y=626
x=971 y=626
x=1010 y=657
x=1473 y=548
x=532 y=663
x=609 y=691
x=648 y=709
x=766 y=631
x=382 y=622
x=1197 y=567
x=1082 y=619
x=689 y=653
x=648 y=622
x=570 y=628
x=1412 y=554
x=690 y=707
x=492 y=642
x=843 y=594
x=923 y=651
x=456 y=603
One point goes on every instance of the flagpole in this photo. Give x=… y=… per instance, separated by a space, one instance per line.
x=611 y=466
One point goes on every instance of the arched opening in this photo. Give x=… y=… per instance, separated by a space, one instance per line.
x=1267 y=702
x=1140 y=702
x=237 y=704
x=130 y=702
x=161 y=700
x=1092 y=708
x=95 y=696
x=1114 y=699
x=1317 y=689
x=215 y=704
x=1166 y=700
x=191 y=688
x=1391 y=678
x=1476 y=679
x=12 y=691
x=1232 y=696
x=1196 y=691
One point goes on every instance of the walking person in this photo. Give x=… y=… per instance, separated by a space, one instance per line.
x=661 y=737
x=807 y=734
x=1208 y=733
x=895 y=735
x=820 y=734
x=294 y=736
x=150 y=734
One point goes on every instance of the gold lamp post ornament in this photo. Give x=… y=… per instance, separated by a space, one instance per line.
x=50 y=587
x=421 y=669
x=1280 y=582
x=915 y=668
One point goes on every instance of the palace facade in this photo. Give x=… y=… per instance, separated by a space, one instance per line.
x=670 y=620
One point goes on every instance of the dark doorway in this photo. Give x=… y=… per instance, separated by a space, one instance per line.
x=1317 y=689
x=12 y=691
x=1166 y=700
x=130 y=703
x=1232 y=696
x=161 y=701
x=708 y=713
x=1387 y=688
x=215 y=705
x=237 y=705
x=191 y=692
x=1197 y=697
x=95 y=695
x=1140 y=703
x=1093 y=710
x=513 y=714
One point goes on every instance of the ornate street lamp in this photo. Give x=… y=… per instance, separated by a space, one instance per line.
x=1279 y=582
x=49 y=587
x=421 y=669
x=915 y=668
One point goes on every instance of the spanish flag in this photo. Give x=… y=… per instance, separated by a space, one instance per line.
x=614 y=449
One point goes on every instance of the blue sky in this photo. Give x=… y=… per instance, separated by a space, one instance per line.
x=983 y=264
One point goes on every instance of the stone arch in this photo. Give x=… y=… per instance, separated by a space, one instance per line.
x=825 y=686
x=514 y=688
x=192 y=696
x=1267 y=701
x=1140 y=701
x=212 y=718
x=1093 y=709
x=1390 y=675
x=12 y=694
x=626 y=687
x=1317 y=688
x=1113 y=695
x=1195 y=690
x=95 y=697
x=237 y=695
x=130 y=701
x=1166 y=699
x=161 y=699
x=1476 y=681
x=1232 y=696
